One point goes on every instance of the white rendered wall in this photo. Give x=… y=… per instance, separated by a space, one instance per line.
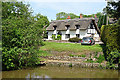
x=83 y=33
x=50 y=35
x=72 y=34
x=78 y=31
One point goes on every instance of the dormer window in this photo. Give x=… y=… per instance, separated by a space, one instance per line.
x=77 y=26
x=67 y=26
x=54 y=27
x=91 y=26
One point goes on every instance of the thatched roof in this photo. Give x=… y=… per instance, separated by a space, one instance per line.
x=61 y=24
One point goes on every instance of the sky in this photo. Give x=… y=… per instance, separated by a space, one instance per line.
x=50 y=8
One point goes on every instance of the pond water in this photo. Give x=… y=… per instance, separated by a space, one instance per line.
x=60 y=72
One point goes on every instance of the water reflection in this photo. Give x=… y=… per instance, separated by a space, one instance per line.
x=60 y=72
x=36 y=76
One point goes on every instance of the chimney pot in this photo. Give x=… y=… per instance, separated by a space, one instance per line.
x=68 y=17
x=81 y=16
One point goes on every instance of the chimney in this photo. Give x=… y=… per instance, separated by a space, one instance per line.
x=95 y=16
x=68 y=17
x=81 y=16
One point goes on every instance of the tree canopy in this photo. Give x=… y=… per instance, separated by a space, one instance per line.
x=113 y=9
x=21 y=35
x=64 y=15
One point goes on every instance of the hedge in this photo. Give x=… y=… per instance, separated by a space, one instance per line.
x=110 y=35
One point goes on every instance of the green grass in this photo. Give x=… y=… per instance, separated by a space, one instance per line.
x=43 y=53
x=70 y=47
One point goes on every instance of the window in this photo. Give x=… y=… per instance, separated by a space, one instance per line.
x=67 y=27
x=77 y=26
x=59 y=33
x=67 y=36
x=89 y=31
x=78 y=35
x=54 y=27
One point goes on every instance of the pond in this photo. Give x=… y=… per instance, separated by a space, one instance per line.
x=60 y=72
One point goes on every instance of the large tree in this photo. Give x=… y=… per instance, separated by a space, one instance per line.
x=113 y=9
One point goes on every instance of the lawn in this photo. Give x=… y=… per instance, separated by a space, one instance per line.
x=70 y=47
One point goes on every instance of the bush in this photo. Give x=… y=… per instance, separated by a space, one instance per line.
x=75 y=39
x=110 y=35
x=58 y=37
x=21 y=37
x=53 y=37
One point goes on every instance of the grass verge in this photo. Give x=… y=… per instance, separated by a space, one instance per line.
x=71 y=47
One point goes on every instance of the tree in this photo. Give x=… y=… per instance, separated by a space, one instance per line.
x=21 y=35
x=113 y=9
x=41 y=20
x=63 y=16
x=73 y=16
x=99 y=14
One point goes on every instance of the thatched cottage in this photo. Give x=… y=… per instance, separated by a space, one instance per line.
x=69 y=28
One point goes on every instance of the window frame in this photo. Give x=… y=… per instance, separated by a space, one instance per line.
x=67 y=36
x=78 y=35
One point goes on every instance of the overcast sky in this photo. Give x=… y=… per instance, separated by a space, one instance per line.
x=50 y=8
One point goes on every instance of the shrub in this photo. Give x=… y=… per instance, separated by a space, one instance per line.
x=54 y=37
x=58 y=37
x=110 y=35
x=75 y=39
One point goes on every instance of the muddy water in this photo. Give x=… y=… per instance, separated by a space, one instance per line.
x=60 y=72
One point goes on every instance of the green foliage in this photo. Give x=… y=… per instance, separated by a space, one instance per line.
x=63 y=16
x=113 y=9
x=58 y=37
x=41 y=21
x=102 y=20
x=75 y=39
x=100 y=59
x=21 y=36
x=54 y=37
x=110 y=35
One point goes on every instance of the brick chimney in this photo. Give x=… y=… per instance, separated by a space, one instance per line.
x=81 y=16
x=95 y=16
x=68 y=17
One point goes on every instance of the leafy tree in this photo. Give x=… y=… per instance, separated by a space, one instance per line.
x=99 y=14
x=113 y=9
x=73 y=16
x=21 y=35
x=41 y=20
x=63 y=16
